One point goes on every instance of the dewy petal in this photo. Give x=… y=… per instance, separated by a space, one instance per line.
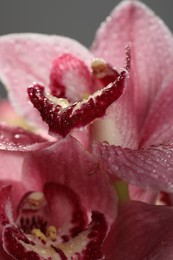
x=159 y=124
x=77 y=169
x=152 y=49
x=141 y=231
x=150 y=167
x=18 y=139
x=25 y=58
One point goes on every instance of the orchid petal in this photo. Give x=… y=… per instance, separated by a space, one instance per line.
x=77 y=169
x=159 y=124
x=18 y=139
x=141 y=231
x=148 y=168
x=27 y=58
x=65 y=210
x=152 y=43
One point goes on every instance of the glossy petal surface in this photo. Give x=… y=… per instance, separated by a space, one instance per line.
x=18 y=139
x=142 y=232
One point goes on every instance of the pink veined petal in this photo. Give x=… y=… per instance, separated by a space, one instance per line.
x=10 y=173
x=65 y=210
x=20 y=140
x=77 y=169
x=141 y=231
x=159 y=124
x=152 y=50
x=26 y=58
x=148 y=168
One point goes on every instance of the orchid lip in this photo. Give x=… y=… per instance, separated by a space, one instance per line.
x=48 y=242
x=62 y=116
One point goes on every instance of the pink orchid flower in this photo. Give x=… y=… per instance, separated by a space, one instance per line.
x=138 y=124
x=138 y=127
x=53 y=215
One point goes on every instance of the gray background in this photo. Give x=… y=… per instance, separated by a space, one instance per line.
x=77 y=19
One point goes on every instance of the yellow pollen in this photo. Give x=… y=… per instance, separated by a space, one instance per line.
x=51 y=232
x=85 y=96
x=36 y=199
x=99 y=67
x=37 y=233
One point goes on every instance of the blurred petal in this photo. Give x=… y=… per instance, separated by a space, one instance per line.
x=5 y=205
x=148 y=168
x=159 y=124
x=141 y=231
x=77 y=169
x=143 y=195
x=152 y=49
x=11 y=165
x=9 y=116
x=3 y=254
x=25 y=58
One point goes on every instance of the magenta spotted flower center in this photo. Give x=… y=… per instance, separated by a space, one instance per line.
x=41 y=234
